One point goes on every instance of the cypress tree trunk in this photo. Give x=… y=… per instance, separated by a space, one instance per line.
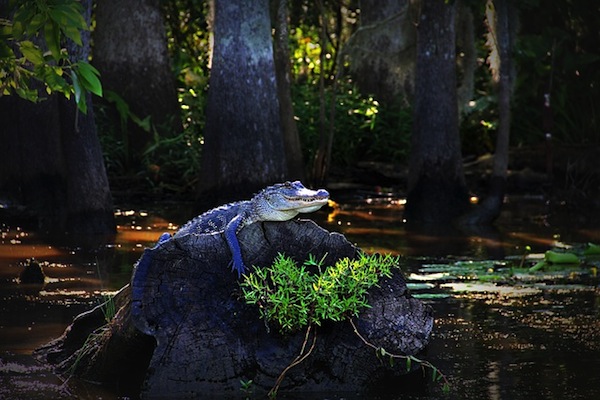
x=281 y=53
x=243 y=148
x=52 y=162
x=501 y=18
x=130 y=51
x=382 y=50
x=89 y=201
x=437 y=193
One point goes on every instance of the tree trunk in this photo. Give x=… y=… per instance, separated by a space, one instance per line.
x=382 y=50
x=281 y=53
x=51 y=160
x=89 y=201
x=244 y=148
x=130 y=51
x=437 y=193
x=501 y=32
x=184 y=294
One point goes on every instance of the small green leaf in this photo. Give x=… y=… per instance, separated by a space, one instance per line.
x=54 y=80
x=82 y=105
x=79 y=93
x=6 y=29
x=76 y=87
x=36 y=23
x=408 y=364
x=17 y=30
x=89 y=78
x=539 y=265
x=66 y=15
x=31 y=52
x=26 y=93
x=52 y=36
x=73 y=34
x=21 y=19
x=446 y=388
x=6 y=53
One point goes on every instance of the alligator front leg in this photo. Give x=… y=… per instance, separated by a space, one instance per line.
x=231 y=231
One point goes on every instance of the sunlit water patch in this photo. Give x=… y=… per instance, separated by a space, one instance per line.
x=502 y=331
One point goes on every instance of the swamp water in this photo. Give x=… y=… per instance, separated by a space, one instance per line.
x=502 y=331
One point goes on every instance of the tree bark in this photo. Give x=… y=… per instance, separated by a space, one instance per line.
x=382 y=51
x=130 y=51
x=89 y=201
x=437 y=193
x=51 y=160
x=281 y=53
x=243 y=148
x=500 y=32
x=184 y=294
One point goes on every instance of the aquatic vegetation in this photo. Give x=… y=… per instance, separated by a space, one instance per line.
x=561 y=268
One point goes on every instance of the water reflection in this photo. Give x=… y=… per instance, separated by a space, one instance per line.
x=507 y=338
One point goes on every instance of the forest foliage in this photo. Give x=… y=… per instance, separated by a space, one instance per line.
x=556 y=57
x=31 y=51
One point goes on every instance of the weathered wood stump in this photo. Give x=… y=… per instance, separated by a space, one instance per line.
x=208 y=340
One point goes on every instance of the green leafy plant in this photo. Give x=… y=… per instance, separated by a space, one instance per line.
x=246 y=387
x=294 y=297
x=30 y=49
x=365 y=130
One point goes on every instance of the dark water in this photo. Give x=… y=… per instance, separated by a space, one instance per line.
x=512 y=336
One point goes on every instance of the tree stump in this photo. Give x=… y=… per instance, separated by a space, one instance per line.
x=208 y=340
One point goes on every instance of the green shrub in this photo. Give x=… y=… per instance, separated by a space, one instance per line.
x=294 y=297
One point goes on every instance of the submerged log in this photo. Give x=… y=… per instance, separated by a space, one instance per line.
x=208 y=340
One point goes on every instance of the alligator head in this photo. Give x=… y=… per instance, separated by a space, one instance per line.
x=284 y=201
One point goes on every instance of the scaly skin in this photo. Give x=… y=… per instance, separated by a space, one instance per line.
x=280 y=202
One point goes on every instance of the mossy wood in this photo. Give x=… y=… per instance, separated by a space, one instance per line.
x=208 y=340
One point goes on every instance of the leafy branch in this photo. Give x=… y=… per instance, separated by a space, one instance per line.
x=30 y=49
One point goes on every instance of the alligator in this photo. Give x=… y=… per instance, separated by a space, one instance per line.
x=280 y=202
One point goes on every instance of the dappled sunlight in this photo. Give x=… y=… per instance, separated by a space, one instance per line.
x=486 y=299
x=18 y=251
x=128 y=236
x=351 y=230
x=533 y=238
x=140 y=227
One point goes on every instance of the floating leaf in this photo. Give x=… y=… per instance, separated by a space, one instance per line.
x=538 y=266
x=561 y=258
x=592 y=249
